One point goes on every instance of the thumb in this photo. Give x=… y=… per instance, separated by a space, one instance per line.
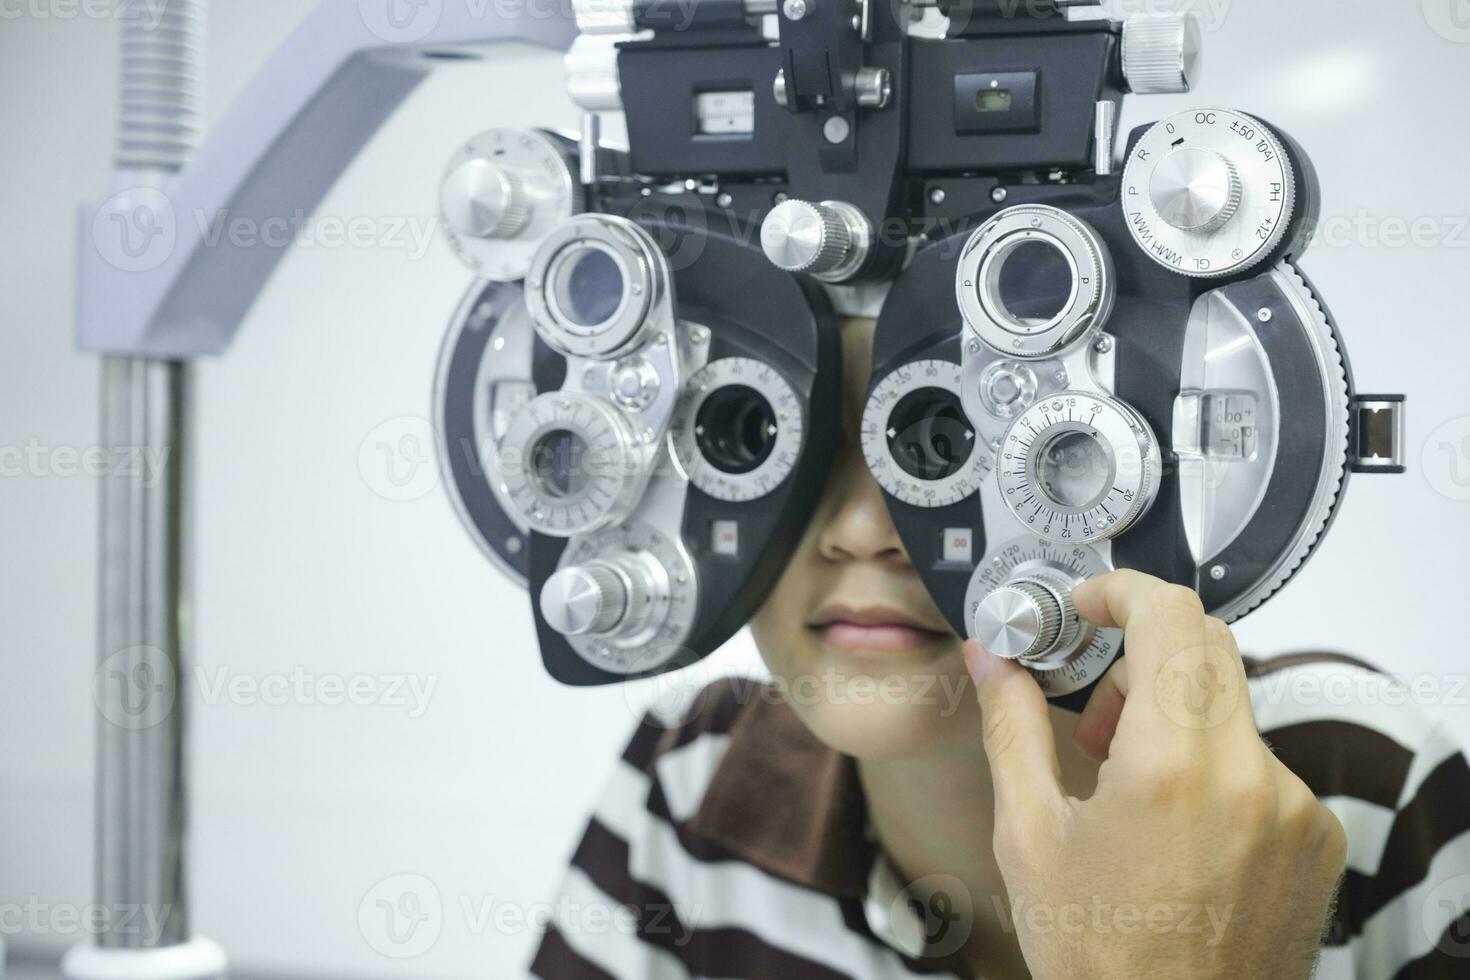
x=1019 y=742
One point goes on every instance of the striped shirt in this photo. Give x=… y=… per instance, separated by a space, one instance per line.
x=734 y=843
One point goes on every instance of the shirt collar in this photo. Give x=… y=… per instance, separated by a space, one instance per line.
x=782 y=800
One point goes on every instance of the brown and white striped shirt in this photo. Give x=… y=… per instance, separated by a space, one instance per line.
x=734 y=842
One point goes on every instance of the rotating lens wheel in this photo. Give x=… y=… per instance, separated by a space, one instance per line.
x=917 y=440
x=1079 y=467
x=737 y=431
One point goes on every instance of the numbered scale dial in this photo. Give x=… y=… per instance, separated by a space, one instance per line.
x=918 y=442
x=1079 y=467
x=1021 y=595
x=633 y=624
x=1209 y=192
x=568 y=464
x=737 y=430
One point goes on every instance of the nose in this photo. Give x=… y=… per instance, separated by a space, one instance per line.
x=857 y=526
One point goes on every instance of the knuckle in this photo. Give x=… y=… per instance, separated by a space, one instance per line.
x=1175 y=602
x=1172 y=779
x=1000 y=730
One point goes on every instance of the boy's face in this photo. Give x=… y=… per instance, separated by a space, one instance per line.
x=850 y=633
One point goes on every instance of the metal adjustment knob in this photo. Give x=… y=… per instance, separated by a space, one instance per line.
x=1195 y=190
x=582 y=599
x=1020 y=620
x=1161 y=53
x=482 y=200
x=830 y=240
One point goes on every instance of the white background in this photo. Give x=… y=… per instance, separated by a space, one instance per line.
x=299 y=810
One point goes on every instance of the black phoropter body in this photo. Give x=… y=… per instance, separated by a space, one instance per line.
x=1075 y=369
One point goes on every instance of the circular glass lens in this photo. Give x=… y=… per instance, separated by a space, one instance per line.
x=928 y=434
x=735 y=429
x=559 y=464
x=1074 y=469
x=588 y=286
x=1032 y=282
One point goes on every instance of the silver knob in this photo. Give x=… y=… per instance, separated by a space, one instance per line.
x=482 y=200
x=1195 y=190
x=1021 y=620
x=580 y=599
x=1161 y=53
x=830 y=240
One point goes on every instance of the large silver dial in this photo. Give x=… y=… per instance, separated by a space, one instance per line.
x=625 y=597
x=1019 y=606
x=1209 y=192
x=569 y=464
x=1033 y=280
x=917 y=440
x=1079 y=467
x=501 y=194
x=737 y=431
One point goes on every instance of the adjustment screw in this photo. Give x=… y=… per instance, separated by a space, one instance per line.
x=1264 y=315
x=1103 y=344
x=1218 y=572
x=836 y=129
x=794 y=9
x=936 y=196
x=999 y=195
x=724 y=200
x=974 y=346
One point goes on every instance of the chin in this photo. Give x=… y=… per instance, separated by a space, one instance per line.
x=880 y=704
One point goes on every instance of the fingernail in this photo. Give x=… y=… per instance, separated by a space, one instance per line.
x=977 y=660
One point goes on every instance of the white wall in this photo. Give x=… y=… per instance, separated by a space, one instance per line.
x=300 y=810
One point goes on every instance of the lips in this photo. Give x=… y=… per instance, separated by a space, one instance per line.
x=872 y=629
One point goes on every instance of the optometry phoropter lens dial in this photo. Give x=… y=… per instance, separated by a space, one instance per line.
x=737 y=430
x=1079 y=467
x=568 y=464
x=593 y=284
x=1209 y=192
x=1020 y=607
x=917 y=440
x=501 y=193
x=1034 y=280
x=830 y=240
x=624 y=597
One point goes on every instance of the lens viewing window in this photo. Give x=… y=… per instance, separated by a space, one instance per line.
x=588 y=286
x=735 y=429
x=928 y=434
x=1032 y=283
x=559 y=464
x=1074 y=469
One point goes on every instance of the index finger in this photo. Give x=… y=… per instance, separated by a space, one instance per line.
x=1183 y=662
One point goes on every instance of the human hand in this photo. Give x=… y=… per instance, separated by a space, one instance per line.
x=1199 y=855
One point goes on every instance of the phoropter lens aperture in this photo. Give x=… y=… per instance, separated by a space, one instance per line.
x=735 y=429
x=1074 y=469
x=587 y=285
x=559 y=464
x=928 y=434
x=1032 y=282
